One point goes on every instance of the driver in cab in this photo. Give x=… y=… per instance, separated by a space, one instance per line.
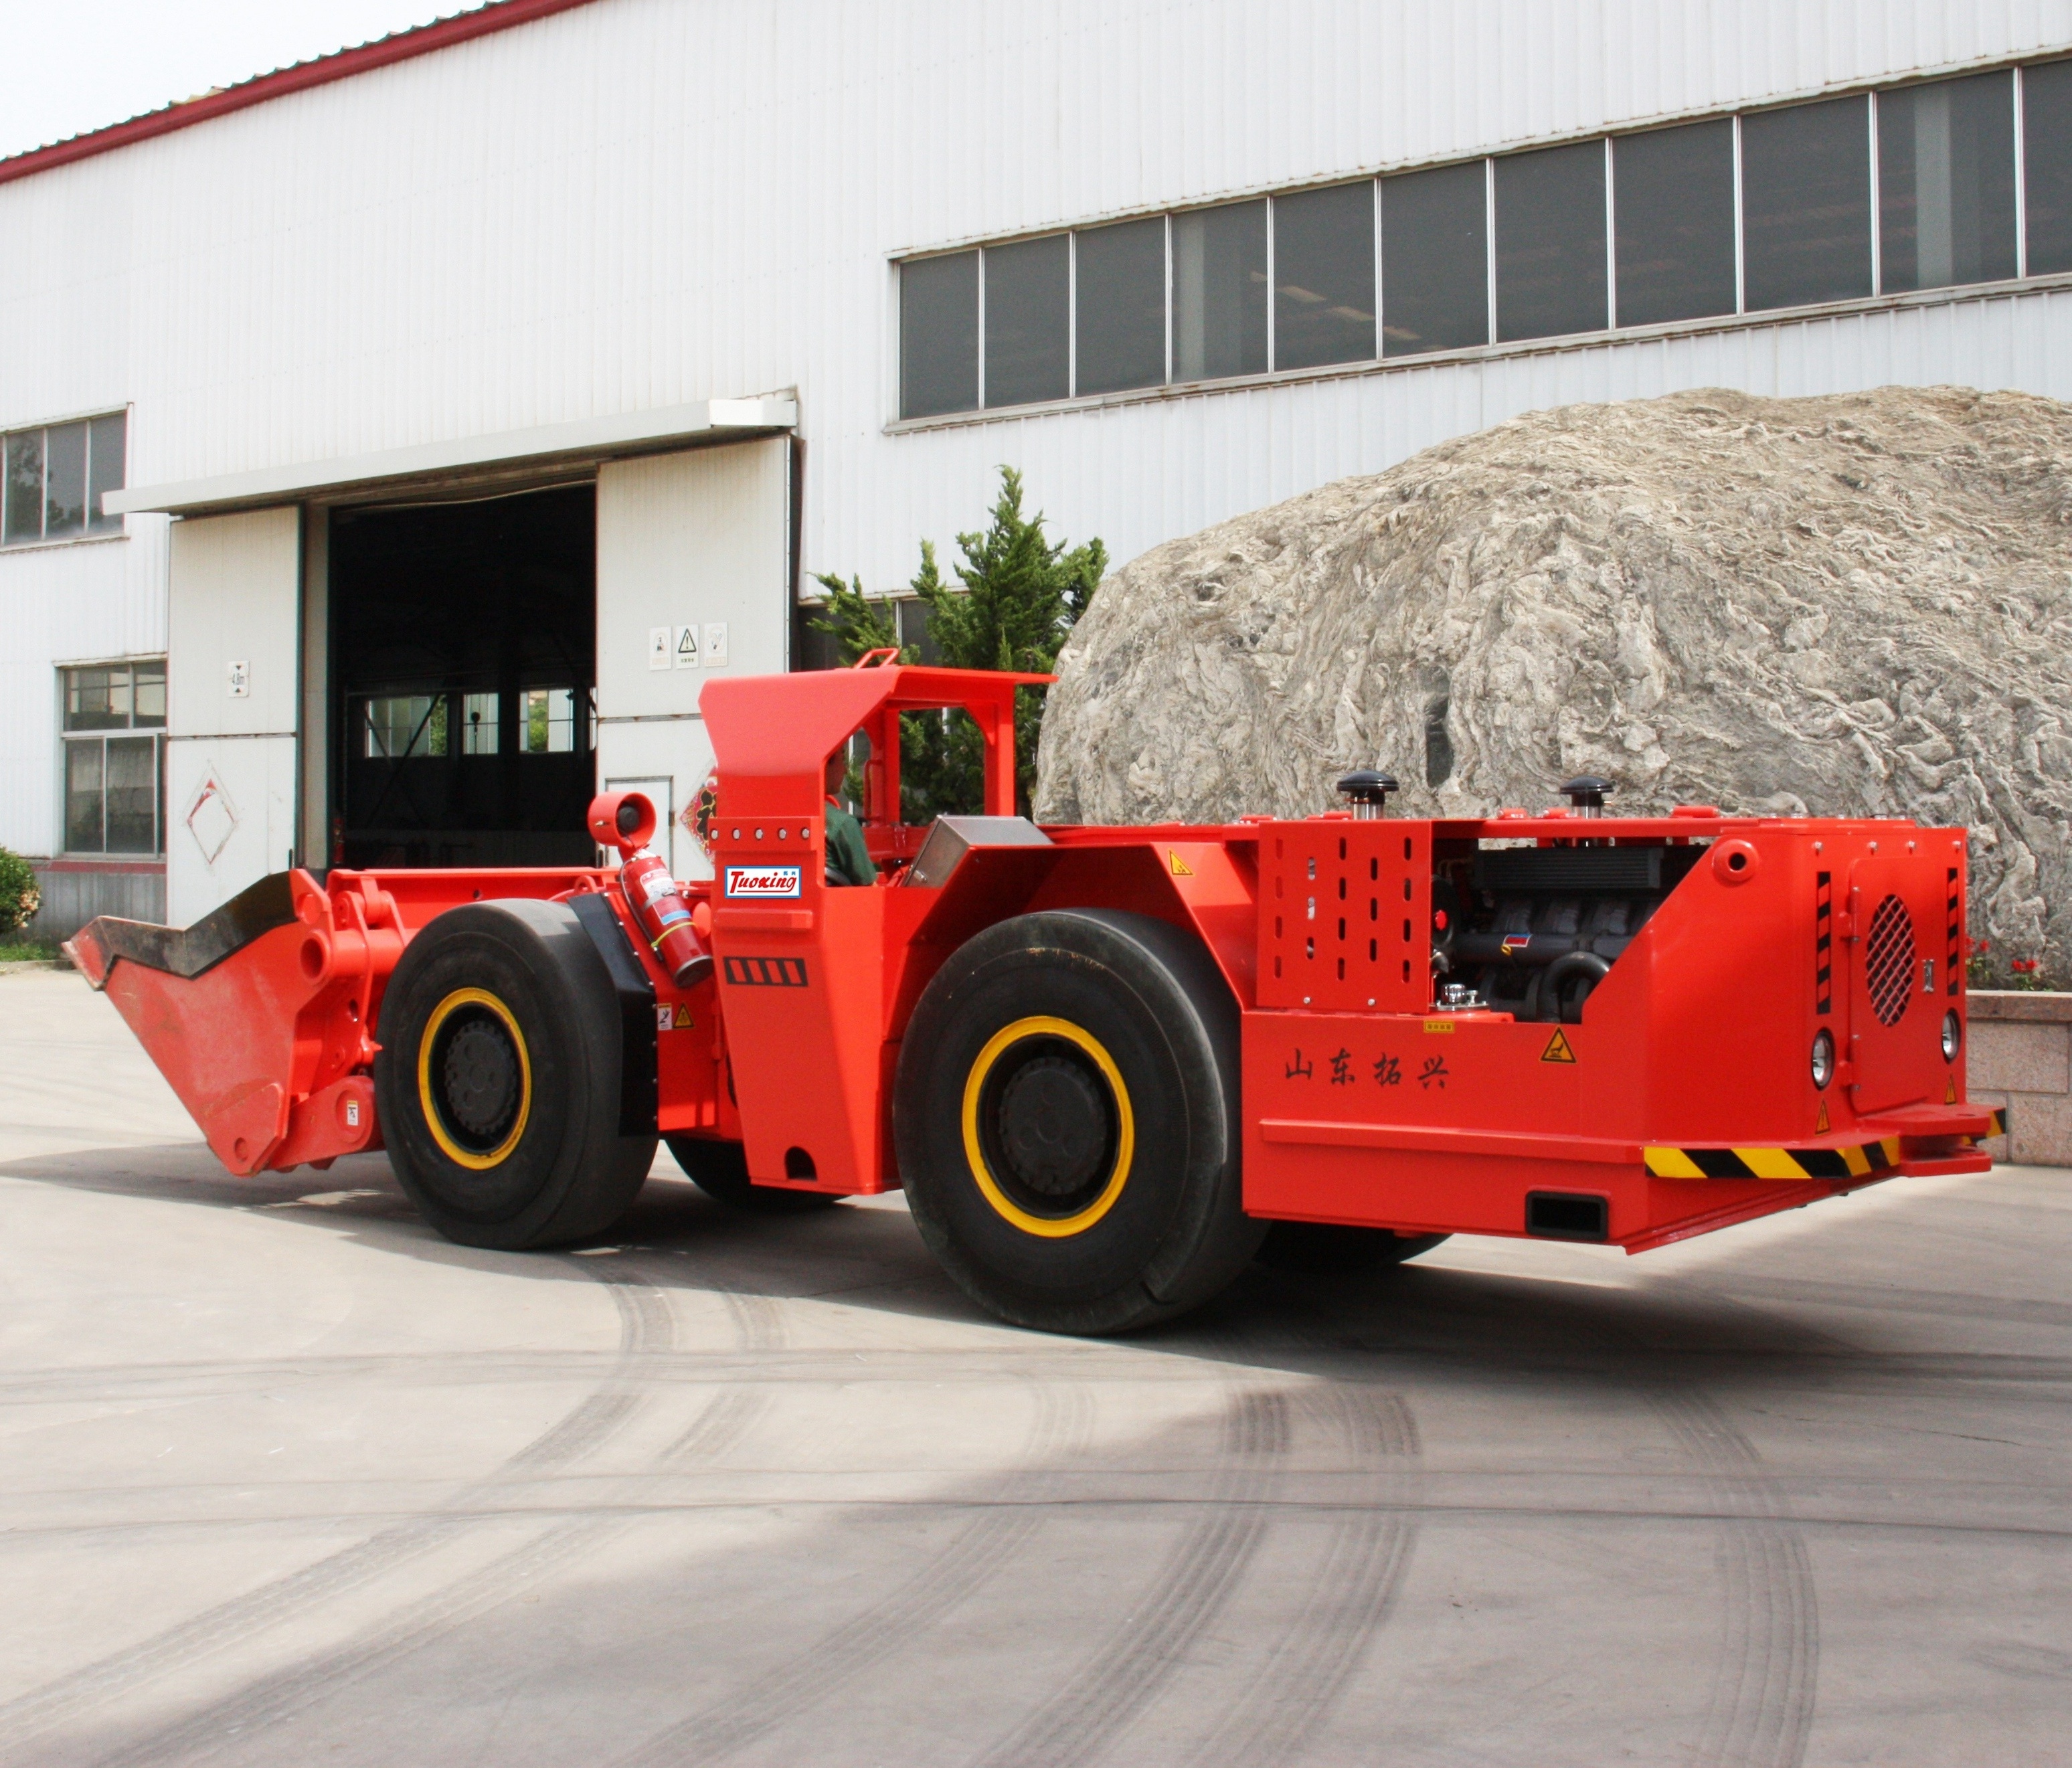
x=849 y=860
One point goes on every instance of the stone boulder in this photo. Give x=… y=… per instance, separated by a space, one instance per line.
x=1847 y=606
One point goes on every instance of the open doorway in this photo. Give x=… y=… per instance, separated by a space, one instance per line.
x=463 y=672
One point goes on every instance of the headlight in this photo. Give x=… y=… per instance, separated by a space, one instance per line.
x=1823 y=1060
x=1953 y=1034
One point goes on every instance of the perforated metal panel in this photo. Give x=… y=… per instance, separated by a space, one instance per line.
x=1346 y=916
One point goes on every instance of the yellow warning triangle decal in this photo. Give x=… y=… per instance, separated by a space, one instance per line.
x=1949 y=1090
x=1820 y=1122
x=684 y=1021
x=1557 y=1048
x=1181 y=868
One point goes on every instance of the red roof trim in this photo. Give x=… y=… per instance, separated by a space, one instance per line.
x=402 y=46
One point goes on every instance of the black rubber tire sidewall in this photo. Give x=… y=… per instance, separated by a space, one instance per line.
x=571 y=1174
x=1177 y=1233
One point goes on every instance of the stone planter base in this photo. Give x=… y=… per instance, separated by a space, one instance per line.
x=2021 y=1057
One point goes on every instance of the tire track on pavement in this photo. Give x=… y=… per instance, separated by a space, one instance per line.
x=1060 y=1430
x=757 y=1324
x=1304 y=1672
x=1133 y=1665
x=644 y=1329
x=1759 y=1709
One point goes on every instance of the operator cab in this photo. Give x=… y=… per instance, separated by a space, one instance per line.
x=809 y=970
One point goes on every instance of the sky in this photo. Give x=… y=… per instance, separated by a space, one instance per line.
x=85 y=64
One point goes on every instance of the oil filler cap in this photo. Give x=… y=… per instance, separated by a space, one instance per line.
x=1585 y=794
x=1366 y=791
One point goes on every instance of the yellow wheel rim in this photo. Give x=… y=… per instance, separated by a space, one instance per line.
x=434 y=1119
x=1048 y=1228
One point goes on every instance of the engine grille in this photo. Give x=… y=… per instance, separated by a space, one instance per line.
x=1888 y=961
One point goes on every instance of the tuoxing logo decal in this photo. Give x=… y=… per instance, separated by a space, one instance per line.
x=762 y=880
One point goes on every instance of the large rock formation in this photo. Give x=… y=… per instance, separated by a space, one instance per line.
x=1854 y=605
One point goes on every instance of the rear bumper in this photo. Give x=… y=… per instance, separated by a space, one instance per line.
x=1943 y=1140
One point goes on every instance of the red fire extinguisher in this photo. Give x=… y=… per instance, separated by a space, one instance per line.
x=626 y=820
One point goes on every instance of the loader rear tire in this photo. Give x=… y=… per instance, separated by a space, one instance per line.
x=720 y=1169
x=498 y=1079
x=1067 y=1117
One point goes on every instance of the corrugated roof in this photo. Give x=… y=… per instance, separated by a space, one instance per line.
x=321 y=71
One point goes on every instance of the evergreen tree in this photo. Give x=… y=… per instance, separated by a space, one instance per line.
x=1015 y=600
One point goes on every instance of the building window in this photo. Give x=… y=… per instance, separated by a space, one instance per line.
x=52 y=480
x=547 y=721
x=1946 y=182
x=1435 y=260
x=1550 y=243
x=1738 y=214
x=1805 y=204
x=396 y=724
x=939 y=335
x=478 y=723
x=1673 y=218
x=1323 y=276
x=1119 y=317
x=115 y=758
x=1028 y=297
x=1219 y=292
x=2046 y=135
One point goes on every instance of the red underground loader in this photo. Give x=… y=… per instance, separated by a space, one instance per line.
x=1110 y=1066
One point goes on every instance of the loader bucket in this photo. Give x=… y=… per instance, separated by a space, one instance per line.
x=256 y=1015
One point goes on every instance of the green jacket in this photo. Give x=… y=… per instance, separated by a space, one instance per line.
x=847 y=858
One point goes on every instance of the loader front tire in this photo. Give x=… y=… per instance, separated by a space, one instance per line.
x=1067 y=1118
x=498 y=1079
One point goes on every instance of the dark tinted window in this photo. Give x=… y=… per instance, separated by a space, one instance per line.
x=1219 y=292
x=1026 y=301
x=1121 y=306
x=939 y=335
x=64 y=481
x=83 y=797
x=1323 y=276
x=1946 y=182
x=2046 y=131
x=24 y=487
x=132 y=786
x=1550 y=242
x=105 y=468
x=1805 y=203
x=1673 y=217
x=1434 y=261
x=148 y=701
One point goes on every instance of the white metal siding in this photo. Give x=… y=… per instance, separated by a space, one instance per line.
x=643 y=203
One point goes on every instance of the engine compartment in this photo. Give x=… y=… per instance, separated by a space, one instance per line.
x=1531 y=931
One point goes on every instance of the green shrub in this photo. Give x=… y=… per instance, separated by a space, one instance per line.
x=1017 y=595
x=20 y=896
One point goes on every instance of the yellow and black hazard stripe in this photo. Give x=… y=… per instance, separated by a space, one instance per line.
x=1857 y=1162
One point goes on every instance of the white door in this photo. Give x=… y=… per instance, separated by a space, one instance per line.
x=694 y=580
x=230 y=706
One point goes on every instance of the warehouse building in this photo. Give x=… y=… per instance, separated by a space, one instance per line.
x=394 y=443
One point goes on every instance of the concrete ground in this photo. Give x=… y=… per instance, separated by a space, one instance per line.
x=286 y=1478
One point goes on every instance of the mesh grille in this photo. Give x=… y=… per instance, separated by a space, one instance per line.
x=1888 y=961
